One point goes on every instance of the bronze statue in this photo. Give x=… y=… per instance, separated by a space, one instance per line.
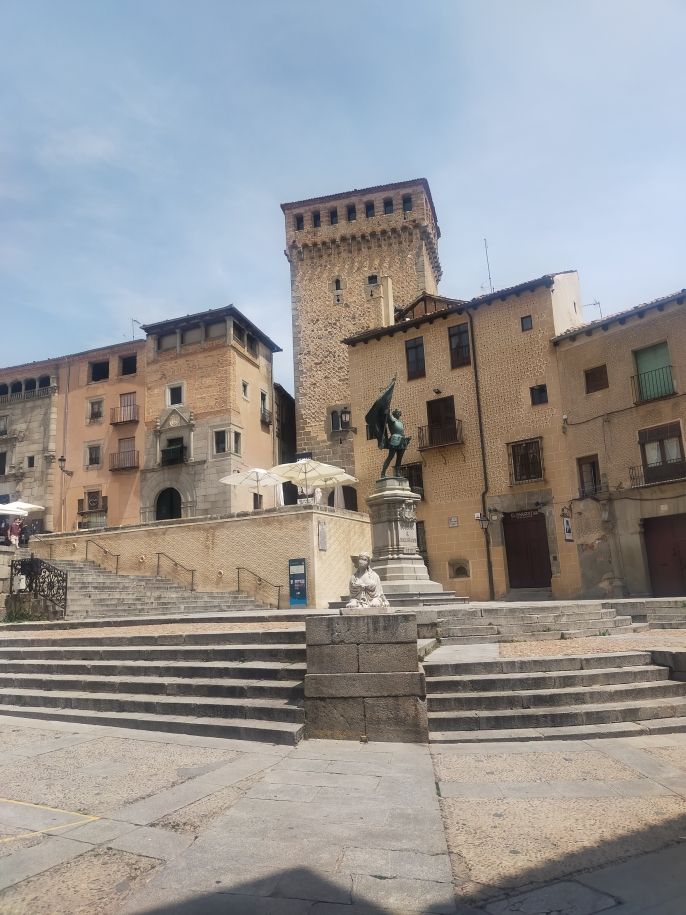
x=388 y=430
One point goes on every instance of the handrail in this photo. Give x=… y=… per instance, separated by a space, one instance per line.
x=105 y=550
x=259 y=580
x=42 y=578
x=176 y=565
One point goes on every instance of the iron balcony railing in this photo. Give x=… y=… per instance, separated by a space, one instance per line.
x=653 y=385
x=266 y=417
x=665 y=472
x=127 y=414
x=434 y=435
x=173 y=454
x=124 y=460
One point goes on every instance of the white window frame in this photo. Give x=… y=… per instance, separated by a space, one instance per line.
x=167 y=395
x=89 y=407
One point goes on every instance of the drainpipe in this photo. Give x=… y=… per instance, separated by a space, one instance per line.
x=484 y=466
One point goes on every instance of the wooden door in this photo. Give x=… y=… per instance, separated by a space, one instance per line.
x=526 y=548
x=665 y=540
x=441 y=416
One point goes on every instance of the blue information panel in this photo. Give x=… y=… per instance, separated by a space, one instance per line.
x=297 y=583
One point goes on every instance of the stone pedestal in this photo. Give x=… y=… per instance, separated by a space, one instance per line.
x=363 y=679
x=396 y=558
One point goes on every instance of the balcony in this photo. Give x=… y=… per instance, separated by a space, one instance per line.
x=124 y=460
x=433 y=436
x=265 y=417
x=651 y=474
x=93 y=506
x=586 y=490
x=127 y=414
x=173 y=454
x=653 y=385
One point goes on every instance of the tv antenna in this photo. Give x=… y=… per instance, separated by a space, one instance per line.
x=596 y=304
x=133 y=329
x=488 y=265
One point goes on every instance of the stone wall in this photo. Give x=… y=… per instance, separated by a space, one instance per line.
x=262 y=542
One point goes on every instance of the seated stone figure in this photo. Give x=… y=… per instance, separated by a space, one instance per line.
x=365 y=586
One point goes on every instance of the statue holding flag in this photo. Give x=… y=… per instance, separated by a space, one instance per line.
x=387 y=428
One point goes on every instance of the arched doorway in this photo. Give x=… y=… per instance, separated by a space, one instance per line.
x=168 y=505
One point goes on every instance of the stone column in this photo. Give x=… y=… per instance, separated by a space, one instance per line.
x=363 y=679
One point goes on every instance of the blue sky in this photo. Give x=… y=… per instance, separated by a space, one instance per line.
x=145 y=148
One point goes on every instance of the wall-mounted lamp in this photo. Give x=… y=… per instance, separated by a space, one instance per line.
x=437 y=391
x=483 y=520
x=61 y=463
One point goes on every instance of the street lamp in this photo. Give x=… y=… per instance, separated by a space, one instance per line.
x=61 y=463
x=483 y=520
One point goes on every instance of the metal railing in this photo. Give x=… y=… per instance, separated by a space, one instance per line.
x=653 y=385
x=257 y=582
x=107 y=552
x=266 y=417
x=127 y=414
x=650 y=474
x=174 y=454
x=39 y=577
x=435 y=435
x=176 y=565
x=123 y=460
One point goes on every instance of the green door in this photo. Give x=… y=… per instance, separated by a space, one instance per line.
x=654 y=373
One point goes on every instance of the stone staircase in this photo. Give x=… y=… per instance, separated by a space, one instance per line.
x=657 y=612
x=94 y=592
x=245 y=683
x=517 y=622
x=584 y=696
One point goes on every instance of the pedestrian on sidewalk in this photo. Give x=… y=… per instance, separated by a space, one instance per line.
x=15 y=530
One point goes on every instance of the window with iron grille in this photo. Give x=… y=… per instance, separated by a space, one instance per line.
x=95 y=410
x=596 y=379
x=526 y=461
x=589 y=475
x=458 y=337
x=93 y=454
x=414 y=475
x=539 y=394
x=414 y=356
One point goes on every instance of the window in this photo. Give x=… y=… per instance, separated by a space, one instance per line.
x=527 y=322
x=388 y=206
x=458 y=338
x=414 y=475
x=93 y=455
x=93 y=500
x=407 y=203
x=414 y=356
x=244 y=390
x=239 y=333
x=220 y=441
x=316 y=219
x=127 y=365
x=539 y=394
x=166 y=341
x=3 y=463
x=333 y=216
x=525 y=461
x=458 y=568
x=44 y=381
x=252 y=345
x=237 y=442
x=3 y=425
x=442 y=427
x=99 y=371
x=95 y=410
x=662 y=453
x=372 y=279
x=29 y=384
x=257 y=499
x=369 y=209
x=596 y=379
x=653 y=373
x=30 y=461
x=299 y=222
x=335 y=421
x=174 y=395
x=352 y=212
x=337 y=284
x=589 y=475
x=4 y=390
x=192 y=335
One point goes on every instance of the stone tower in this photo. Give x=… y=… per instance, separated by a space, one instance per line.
x=353 y=258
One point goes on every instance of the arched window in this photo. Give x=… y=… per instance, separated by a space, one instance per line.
x=15 y=387
x=168 y=505
x=44 y=381
x=4 y=390
x=29 y=384
x=337 y=284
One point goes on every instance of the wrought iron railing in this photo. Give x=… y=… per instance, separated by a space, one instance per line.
x=650 y=474
x=434 y=435
x=257 y=584
x=124 y=460
x=653 y=385
x=126 y=414
x=266 y=417
x=175 y=565
x=39 y=577
x=173 y=454
x=115 y=556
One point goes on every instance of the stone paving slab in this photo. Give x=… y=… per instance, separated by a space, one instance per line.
x=152 y=842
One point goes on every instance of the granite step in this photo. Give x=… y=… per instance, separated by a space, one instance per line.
x=642 y=728
x=252 y=670
x=107 y=639
x=545 y=681
x=604 y=660
x=248 y=652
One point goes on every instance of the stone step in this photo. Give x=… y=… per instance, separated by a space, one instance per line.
x=562 y=716
x=282 y=732
x=508 y=617
x=183 y=706
x=647 y=726
x=288 y=690
x=107 y=639
x=253 y=670
x=666 y=624
x=537 y=665
x=540 y=699
x=290 y=653
x=271 y=616
x=545 y=681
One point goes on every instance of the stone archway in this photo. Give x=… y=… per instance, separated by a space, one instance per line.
x=168 y=504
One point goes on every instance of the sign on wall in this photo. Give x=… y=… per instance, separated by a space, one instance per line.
x=567 y=528
x=297 y=583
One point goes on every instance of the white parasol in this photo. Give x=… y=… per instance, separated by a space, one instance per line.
x=27 y=507
x=308 y=473
x=253 y=479
x=15 y=512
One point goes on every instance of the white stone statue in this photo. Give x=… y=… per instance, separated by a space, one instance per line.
x=365 y=586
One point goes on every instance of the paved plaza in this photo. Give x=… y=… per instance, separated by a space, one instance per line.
x=102 y=821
